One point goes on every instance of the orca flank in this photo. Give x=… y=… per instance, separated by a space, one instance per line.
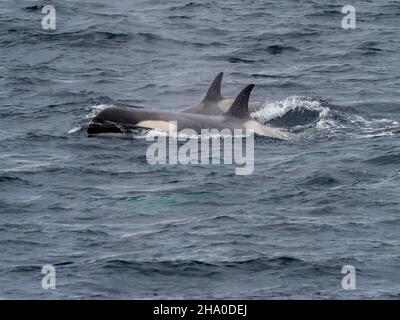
x=116 y=120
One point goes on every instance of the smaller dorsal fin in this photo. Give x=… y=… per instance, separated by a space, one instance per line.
x=240 y=107
x=214 y=92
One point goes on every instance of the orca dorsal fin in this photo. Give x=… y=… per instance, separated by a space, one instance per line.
x=214 y=92
x=240 y=107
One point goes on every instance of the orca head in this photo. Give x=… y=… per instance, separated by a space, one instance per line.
x=110 y=121
x=100 y=127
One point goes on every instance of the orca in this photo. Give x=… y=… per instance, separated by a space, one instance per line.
x=118 y=120
x=214 y=103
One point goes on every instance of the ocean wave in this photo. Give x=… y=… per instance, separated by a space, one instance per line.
x=388 y=158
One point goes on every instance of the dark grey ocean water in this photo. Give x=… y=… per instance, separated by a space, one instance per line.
x=116 y=227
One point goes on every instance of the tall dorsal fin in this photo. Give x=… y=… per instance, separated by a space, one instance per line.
x=214 y=92
x=240 y=107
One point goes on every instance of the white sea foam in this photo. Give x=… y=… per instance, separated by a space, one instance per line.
x=96 y=109
x=275 y=109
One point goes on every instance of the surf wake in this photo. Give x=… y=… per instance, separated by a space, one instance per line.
x=312 y=117
x=304 y=117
